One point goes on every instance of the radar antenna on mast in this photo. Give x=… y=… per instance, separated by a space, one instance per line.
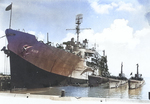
x=78 y=22
x=79 y=18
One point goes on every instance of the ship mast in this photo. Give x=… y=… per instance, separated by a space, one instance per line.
x=121 y=68
x=78 y=22
x=79 y=18
x=47 y=38
x=48 y=42
x=137 y=69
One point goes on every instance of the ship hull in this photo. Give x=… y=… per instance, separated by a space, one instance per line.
x=112 y=83
x=133 y=84
x=115 y=83
x=34 y=64
x=96 y=80
x=27 y=75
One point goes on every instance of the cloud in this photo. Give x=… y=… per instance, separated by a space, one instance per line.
x=145 y=3
x=40 y=36
x=148 y=17
x=118 y=6
x=31 y=32
x=68 y=37
x=119 y=33
x=125 y=7
x=102 y=9
x=146 y=6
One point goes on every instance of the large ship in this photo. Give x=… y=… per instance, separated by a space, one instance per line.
x=35 y=64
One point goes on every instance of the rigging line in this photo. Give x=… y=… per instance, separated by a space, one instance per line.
x=5 y=64
x=2 y=36
x=4 y=61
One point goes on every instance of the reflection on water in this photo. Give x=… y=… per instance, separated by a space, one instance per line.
x=105 y=92
x=135 y=93
x=119 y=92
x=101 y=91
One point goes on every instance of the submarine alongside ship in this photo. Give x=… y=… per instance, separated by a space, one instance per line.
x=117 y=81
x=113 y=81
x=136 y=81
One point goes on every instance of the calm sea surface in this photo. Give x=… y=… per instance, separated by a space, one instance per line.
x=101 y=91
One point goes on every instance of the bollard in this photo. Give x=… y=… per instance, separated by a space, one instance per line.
x=62 y=93
x=27 y=95
x=149 y=95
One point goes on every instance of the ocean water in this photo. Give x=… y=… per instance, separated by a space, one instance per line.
x=101 y=91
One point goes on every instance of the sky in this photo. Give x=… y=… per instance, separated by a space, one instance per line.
x=120 y=27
